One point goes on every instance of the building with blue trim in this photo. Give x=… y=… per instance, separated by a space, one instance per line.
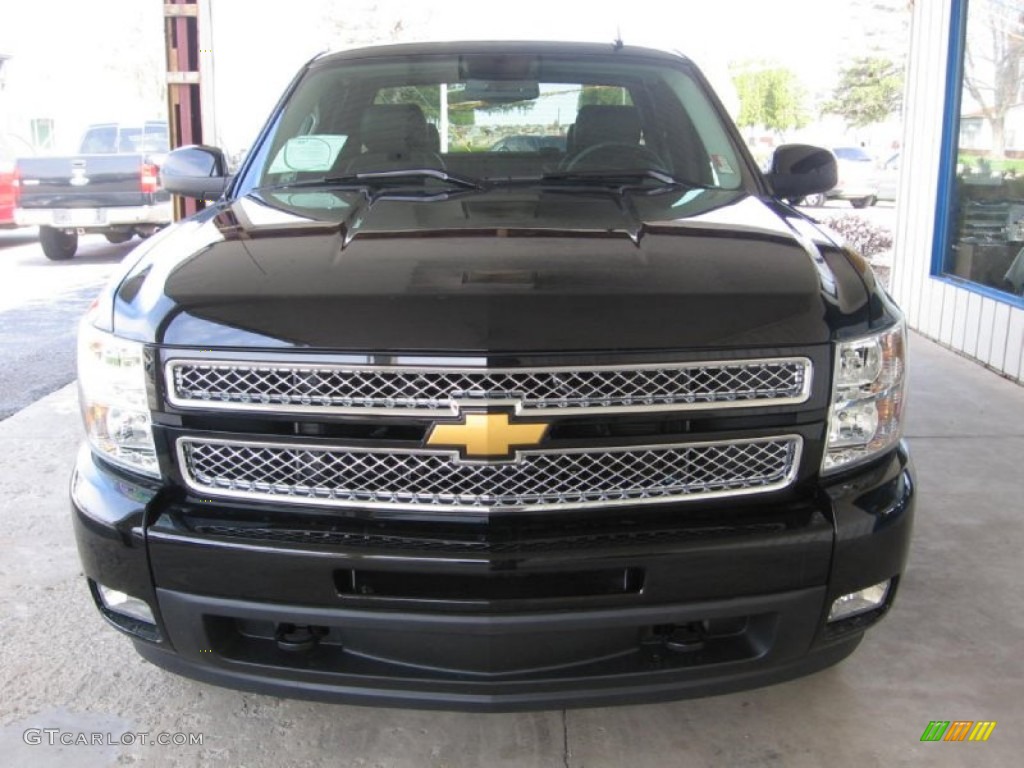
x=959 y=245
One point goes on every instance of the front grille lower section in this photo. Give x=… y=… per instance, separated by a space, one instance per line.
x=312 y=387
x=426 y=480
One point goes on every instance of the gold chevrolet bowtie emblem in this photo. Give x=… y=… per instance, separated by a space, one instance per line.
x=486 y=435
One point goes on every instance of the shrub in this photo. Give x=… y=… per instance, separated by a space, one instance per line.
x=861 y=235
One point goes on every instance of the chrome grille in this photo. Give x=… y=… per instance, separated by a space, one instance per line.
x=438 y=480
x=314 y=387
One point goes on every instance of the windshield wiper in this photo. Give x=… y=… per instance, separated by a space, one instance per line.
x=415 y=173
x=378 y=178
x=623 y=179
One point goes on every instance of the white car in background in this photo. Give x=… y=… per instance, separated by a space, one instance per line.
x=857 y=181
x=887 y=178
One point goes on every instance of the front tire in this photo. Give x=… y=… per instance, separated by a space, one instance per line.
x=58 y=245
x=864 y=202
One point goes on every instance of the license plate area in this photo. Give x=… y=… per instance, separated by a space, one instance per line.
x=87 y=217
x=622 y=647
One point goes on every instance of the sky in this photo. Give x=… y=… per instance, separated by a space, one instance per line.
x=100 y=62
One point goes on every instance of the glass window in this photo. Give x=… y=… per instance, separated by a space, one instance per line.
x=111 y=139
x=151 y=137
x=986 y=217
x=501 y=117
x=855 y=154
x=42 y=132
x=100 y=140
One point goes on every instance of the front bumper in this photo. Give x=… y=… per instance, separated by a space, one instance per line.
x=534 y=622
x=94 y=218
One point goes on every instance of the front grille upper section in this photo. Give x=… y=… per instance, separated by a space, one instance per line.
x=431 y=480
x=311 y=387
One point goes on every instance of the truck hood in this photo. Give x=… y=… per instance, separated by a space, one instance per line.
x=538 y=270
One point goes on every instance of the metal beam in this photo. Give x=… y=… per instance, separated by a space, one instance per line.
x=184 y=111
x=185 y=8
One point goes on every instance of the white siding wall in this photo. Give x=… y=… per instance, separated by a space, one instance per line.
x=982 y=328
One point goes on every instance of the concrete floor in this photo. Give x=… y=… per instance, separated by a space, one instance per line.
x=950 y=649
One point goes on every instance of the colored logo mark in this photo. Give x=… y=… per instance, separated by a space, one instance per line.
x=487 y=434
x=958 y=730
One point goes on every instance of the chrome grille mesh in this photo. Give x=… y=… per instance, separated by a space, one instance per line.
x=244 y=385
x=540 y=479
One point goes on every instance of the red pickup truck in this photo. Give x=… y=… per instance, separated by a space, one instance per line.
x=9 y=150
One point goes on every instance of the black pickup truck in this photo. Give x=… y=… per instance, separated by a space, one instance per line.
x=404 y=420
x=110 y=187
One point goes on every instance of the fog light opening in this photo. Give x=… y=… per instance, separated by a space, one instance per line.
x=124 y=604
x=861 y=601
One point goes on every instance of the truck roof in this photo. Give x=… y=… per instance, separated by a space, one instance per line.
x=127 y=123
x=501 y=46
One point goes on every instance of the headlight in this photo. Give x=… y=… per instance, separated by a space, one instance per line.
x=112 y=393
x=866 y=417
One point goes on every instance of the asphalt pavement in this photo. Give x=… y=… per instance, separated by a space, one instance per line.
x=41 y=302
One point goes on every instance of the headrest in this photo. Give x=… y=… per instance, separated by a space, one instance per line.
x=597 y=123
x=387 y=127
x=433 y=140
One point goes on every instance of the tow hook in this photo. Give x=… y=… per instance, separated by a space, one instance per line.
x=685 y=639
x=298 y=638
x=672 y=640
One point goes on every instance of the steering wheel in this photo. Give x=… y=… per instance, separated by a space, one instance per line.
x=612 y=155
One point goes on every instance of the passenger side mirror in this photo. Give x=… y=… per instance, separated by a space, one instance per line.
x=195 y=171
x=799 y=170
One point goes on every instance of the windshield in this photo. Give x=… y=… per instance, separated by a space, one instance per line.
x=497 y=117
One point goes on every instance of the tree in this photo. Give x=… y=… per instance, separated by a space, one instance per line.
x=992 y=63
x=869 y=90
x=771 y=97
x=603 y=94
x=428 y=99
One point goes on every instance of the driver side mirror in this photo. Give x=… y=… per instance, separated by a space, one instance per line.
x=195 y=171
x=799 y=170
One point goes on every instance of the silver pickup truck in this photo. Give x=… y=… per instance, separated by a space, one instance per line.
x=110 y=187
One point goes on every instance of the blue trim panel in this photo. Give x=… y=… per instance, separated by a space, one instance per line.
x=950 y=135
